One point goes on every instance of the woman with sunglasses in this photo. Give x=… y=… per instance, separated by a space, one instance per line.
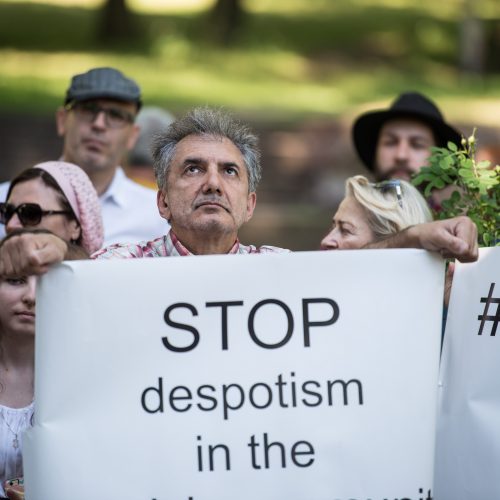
x=371 y=212
x=58 y=197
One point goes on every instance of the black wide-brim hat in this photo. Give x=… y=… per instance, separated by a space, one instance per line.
x=412 y=105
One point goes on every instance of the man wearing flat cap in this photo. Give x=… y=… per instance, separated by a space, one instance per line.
x=396 y=142
x=97 y=125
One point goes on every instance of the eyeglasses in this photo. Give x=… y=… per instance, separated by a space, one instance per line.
x=113 y=117
x=395 y=184
x=30 y=214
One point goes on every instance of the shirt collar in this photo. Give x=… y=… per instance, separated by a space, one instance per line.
x=175 y=247
x=115 y=191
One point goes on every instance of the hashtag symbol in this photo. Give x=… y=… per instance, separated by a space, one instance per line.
x=485 y=317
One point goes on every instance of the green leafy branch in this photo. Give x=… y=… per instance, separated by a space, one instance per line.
x=477 y=192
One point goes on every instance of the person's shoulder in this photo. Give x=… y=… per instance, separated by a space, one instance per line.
x=142 y=249
x=271 y=249
x=262 y=249
x=138 y=189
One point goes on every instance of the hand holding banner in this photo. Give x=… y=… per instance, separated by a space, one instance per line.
x=468 y=439
x=307 y=376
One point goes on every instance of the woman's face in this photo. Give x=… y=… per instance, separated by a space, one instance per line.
x=36 y=191
x=17 y=305
x=350 y=229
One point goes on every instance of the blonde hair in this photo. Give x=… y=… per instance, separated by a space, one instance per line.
x=386 y=215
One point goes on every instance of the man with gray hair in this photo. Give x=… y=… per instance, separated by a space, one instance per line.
x=208 y=166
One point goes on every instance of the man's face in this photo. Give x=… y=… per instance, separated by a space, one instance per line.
x=206 y=191
x=402 y=149
x=93 y=144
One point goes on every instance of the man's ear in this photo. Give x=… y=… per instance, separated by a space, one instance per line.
x=133 y=136
x=61 y=116
x=251 y=201
x=162 y=203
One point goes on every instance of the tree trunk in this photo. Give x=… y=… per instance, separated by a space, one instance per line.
x=225 y=20
x=472 y=41
x=116 y=22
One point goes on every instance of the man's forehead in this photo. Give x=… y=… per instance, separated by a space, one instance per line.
x=406 y=125
x=105 y=101
x=208 y=148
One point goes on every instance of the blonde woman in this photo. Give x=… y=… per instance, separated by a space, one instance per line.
x=371 y=212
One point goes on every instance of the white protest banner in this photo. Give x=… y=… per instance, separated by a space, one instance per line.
x=307 y=376
x=468 y=439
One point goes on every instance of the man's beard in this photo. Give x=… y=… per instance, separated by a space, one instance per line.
x=391 y=173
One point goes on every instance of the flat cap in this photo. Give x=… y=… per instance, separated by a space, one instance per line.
x=103 y=83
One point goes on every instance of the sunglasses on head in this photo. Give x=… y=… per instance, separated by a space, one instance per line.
x=30 y=214
x=395 y=184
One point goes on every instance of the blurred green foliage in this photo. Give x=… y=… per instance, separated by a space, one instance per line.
x=297 y=57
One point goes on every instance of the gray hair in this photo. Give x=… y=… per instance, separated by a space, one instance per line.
x=151 y=121
x=207 y=121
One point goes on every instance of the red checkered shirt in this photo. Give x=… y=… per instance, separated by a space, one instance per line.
x=169 y=246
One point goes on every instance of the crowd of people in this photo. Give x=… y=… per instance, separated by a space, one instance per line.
x=207 y=168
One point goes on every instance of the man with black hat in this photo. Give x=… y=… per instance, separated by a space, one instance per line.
x=97 y=125
x=396 y=142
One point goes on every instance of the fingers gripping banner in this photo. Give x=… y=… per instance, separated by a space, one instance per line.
x=468 y=439
x=307 y=376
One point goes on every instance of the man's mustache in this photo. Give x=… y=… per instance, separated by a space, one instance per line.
x=390 y=174
x=211 y=199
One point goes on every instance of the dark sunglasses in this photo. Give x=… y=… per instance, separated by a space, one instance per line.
x=395 y=184
x=113 y=117
x=30 y=214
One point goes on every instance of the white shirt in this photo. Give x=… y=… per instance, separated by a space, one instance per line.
x=13 y=422
x=4 y=187
x=129 y=211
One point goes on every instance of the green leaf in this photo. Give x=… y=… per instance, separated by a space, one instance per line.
x=465 y=173
x=455 y=196
x=436 y=169
x=447 y=204
x=489 y=173
x=443 y=164
x=467 y=163
x=452 y=146
x=483 y=164
x=472 y=183
x=426 y=177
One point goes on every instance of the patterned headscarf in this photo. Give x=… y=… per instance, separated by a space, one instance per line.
x=82 y=196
